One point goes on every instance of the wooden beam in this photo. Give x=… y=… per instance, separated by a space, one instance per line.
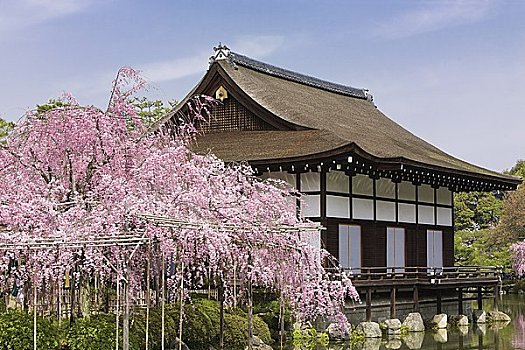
x=393 y=303
x=368 y=304
x=416 y=299
x=460 y=301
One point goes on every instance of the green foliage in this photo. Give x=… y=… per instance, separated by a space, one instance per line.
x=482 y=248
x=476 y=210
x=16 y=332
x=96 y=333
x=49 y=105
x=357 y=336
x=5 y=128
x=236 y=329
x=518 y=169
x=151 y=111
x=201 y=325
x=309 y=338
x=403 y=330
x=268 y=311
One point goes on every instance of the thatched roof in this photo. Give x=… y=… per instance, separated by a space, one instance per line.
x=316 y=118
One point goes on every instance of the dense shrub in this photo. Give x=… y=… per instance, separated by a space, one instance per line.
x=201 y=328
x=96 y=333
x=16 y=332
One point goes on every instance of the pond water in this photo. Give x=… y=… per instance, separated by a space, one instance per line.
x=496 y=336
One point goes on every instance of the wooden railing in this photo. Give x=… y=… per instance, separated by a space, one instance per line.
x=424 y=275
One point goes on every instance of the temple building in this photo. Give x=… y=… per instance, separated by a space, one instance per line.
x=384 y=195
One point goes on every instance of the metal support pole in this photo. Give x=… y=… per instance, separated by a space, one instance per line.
x=34 y=314
x=221 y=315
x=181 y=311
x=117 y=312
x=162 y=302
x=148 y=295
x=125 y=325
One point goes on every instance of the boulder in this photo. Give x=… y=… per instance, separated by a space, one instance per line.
x=459 y=320
x=439 y=321
x=479 y=316
x=414 y=340
x=481 y=329
x=393 y=343
x=391 y=326
x=258 y=344
x=440 y=335
x=414 y=322
x=371 y=344
x=370 y=329
x=497 y=316
x=335 y=331
x=463 y=330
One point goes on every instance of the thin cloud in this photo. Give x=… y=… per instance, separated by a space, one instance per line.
x=435 y=16
x=16 y=15
x=254 y=46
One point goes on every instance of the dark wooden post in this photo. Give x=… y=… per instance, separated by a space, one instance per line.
x=416 y=299
x=393 y=303
x=480 y=299
x=496 y=296
x=438 y=301
x=460 y=301
x=368 y=305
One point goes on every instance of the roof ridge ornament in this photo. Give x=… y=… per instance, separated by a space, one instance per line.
x=222 y=52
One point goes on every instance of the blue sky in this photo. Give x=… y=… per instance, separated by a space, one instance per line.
x=452 y=72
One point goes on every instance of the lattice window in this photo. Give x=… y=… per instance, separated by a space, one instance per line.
x=231 y=116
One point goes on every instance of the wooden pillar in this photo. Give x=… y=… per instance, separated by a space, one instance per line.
x=393 y=303
x=416 y=299
x=438 y=301
x=368 y=305
x=460 y=301
x=496 y=296
x=480 y=299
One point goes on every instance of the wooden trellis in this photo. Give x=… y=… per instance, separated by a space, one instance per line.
x=134 y=240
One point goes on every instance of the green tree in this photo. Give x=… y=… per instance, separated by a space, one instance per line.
x=151 y=111
x=5 y=128
x=476 y=210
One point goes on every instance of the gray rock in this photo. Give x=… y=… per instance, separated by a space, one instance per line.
x=335 y=332
x=463 y=330
x=258 y=344
x=393 y=343
x=481 y=329
x=391 y=326
x=439 y=321
x=497 y=316
x=459 y=320
x=498 y=325
x=440 y=335
x=479 y=316
x=414 y=340
x=414 y=322
x=372 y=343
x=370 y=329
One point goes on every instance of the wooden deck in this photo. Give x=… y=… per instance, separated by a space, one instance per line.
x=445 y=277
x=465 y=282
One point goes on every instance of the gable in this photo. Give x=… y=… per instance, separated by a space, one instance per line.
x=231 y=115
